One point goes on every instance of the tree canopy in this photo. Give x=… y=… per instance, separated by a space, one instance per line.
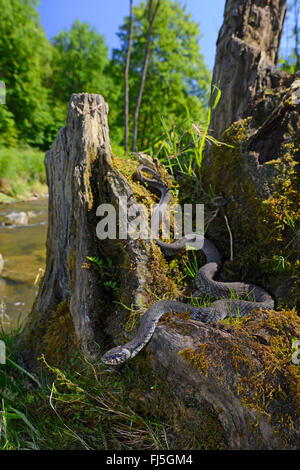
x=80 y=61
x=40 y=75
x=290 y=53
x=25 y=57
x=177 y=77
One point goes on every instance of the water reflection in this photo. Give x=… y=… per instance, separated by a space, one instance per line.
x=24 y=253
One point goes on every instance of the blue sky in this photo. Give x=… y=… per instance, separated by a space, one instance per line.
x=107 y=16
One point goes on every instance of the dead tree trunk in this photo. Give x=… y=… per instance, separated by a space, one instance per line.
x=207 y=367
x=80 y=175
x=151 y=18
x=247 y=52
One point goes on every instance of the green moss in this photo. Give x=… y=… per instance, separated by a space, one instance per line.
x=258 y=348
x=197 y=360
x=191 y=422
x=162 y=285
x=59 y=342
x=223 y=158
x=128 y=168
x=263 y=227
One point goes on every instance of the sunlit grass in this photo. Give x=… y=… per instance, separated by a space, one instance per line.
x=81 y=407
x=22 y=172
x=182 y=147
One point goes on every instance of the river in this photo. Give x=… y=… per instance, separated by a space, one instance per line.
x=24 y=252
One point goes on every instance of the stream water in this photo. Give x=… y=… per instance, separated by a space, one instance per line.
x=24 y=252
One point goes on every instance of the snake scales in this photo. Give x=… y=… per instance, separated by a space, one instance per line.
x=225 y=291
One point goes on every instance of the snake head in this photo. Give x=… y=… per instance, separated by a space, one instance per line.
x=116 y=356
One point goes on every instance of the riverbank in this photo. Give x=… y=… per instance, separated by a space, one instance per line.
x=22 y=174
x=30 y=195
x=24 y=252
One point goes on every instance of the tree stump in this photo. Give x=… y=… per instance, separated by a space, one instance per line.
x=80 y=177
x=214 y=370
x=246 y=57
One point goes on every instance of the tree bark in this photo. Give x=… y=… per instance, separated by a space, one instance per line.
x=247 y=52
x=208 y=366
x=126 y=99
x=81 y=176
x=151 y=17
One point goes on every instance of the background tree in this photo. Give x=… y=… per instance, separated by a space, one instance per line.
x=245 y=58
x=177 y=77
x=152 y=13
x=8 y=131
x=126 y=87
x=81 y=64
x=25 y=55
x=80 y=61
x=290 y=55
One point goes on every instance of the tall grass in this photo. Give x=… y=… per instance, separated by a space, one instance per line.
x=22 y=171
x=182 y=148
x=82 y=407
x=17 y=429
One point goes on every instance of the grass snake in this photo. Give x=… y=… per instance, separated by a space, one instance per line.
x=226 y=306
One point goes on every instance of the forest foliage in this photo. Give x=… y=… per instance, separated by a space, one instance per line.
x=40 y=75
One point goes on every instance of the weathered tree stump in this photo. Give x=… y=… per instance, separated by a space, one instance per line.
x=229 y=369
x=258 y=115
x=221 y=368
x=246 y=57
x=81 y=176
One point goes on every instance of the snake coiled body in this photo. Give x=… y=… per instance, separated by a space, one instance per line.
x=226 y=292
